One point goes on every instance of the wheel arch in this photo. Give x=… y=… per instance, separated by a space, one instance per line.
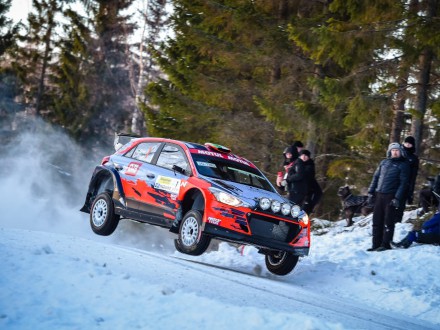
x=104 y=179
x=193 y=200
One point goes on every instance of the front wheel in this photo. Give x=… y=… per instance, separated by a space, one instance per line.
x=191 y=239
x=281 y=263
x=103 y=219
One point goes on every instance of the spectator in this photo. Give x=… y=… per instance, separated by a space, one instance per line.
x=430 y=233
x=427 y=197
x=282 y=174
x=388 y=188
x=290 y=155
x=314 y=191
x=409 y=147
x=299 y=178
x=413 y=160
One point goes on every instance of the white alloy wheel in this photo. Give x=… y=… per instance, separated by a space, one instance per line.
x=190 y=231
x=103 y=219
x=100 y=211
x=191 y=239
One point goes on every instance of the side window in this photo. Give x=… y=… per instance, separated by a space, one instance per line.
x=172 y=155
x=145 y=151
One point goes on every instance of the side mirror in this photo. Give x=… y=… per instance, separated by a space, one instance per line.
x=179 y=169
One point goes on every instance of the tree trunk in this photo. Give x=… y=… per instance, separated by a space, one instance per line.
x=47 y=50
x=399 y=109
x=311 y=126
x=423 y=78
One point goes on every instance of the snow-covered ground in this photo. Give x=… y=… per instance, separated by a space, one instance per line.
x=56 y=274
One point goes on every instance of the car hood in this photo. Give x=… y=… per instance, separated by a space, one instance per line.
x=247 y=193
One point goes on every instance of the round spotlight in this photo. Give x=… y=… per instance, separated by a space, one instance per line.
x=275 y=206
x=295 y=211
x=285 y=209
x=264 y=203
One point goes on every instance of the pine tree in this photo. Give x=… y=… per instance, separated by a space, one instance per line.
x=109 y=83
x=8 y=30
x=73 y=76
x=33 y=60
x=9 y=87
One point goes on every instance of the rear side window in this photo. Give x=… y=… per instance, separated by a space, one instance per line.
x=172 y=155
x=144 y=151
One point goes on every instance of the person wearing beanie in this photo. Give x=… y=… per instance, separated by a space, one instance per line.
x=290 y=156
x=314 y=190
x=301 y=182
x=410 y=149
x=282 y=173
x=388 y=189
x=413 y=160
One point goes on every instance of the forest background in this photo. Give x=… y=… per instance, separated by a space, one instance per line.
x=346 y=77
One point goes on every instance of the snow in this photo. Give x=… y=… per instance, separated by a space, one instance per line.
x=57 y=274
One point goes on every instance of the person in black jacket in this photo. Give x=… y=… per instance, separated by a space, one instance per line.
x=314 y=191
x=388 y=189
x=413 y=160
x=282 y=173
x=409 y=146
x=296 y=182
x=300 y=182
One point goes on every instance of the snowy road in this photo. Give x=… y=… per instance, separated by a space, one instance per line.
x=282 y=295
x=79 y=282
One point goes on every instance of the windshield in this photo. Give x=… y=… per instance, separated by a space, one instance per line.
x=228 y=170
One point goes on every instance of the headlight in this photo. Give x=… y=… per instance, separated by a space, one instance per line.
x=264 y=203
x=285 y=209
x=304 y=218
x=224 y=197
x=295 y=211
x=275 y=206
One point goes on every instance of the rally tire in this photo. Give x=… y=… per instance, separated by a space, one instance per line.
x=103 y=219
x=191 y=239
x=281 y=263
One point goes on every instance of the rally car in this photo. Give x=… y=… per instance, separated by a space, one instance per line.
x=199 y=192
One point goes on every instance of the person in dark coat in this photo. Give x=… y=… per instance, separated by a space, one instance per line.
x=297 y=180
x=409 y=146
x=430 y=233
x=388 y=189
x=413 y=160
x=282 y=173
x=290 y=155
x=314 y=191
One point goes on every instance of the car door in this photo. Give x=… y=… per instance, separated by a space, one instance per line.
x=164 y=180
x=133 y=167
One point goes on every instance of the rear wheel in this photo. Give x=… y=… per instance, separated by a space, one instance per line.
x=191 y=239
x=281 y=263
x=103 y=219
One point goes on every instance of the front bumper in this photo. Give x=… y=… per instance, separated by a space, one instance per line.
x=265 y=230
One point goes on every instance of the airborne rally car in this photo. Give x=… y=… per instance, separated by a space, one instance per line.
x=199 y=192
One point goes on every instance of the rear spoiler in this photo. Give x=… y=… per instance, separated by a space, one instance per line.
x=122 y=139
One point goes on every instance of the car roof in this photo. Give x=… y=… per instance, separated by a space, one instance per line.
x=188 y=145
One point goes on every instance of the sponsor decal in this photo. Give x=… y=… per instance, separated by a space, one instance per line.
x=206 y=164
x=214 y=221
x=209 y=153
x=238 y=160
x=219 y=155
x=132 y=168
x=168 y=184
